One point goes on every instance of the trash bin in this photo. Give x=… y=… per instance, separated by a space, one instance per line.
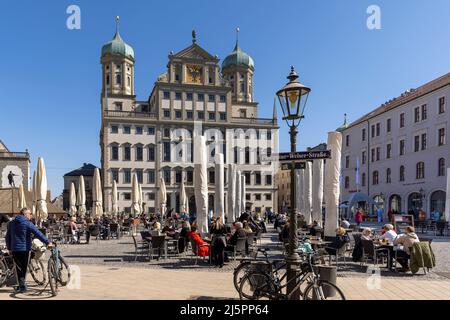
x=328 y=273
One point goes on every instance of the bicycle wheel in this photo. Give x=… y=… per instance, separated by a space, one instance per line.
x=323 y=290
x=256 y=286
x=3 y=273
x=52 y=277
x=36 y=268
x=239 y=273
x=63 y=272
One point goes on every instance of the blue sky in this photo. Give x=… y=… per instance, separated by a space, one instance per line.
x=50 y=76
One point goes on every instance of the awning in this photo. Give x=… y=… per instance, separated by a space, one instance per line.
x=353 y=199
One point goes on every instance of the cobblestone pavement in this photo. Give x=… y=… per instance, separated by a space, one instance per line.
x=101 y=282
x=107 y=271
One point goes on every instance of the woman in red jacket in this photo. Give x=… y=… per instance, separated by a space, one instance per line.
x=358 y=217
x=202 y=246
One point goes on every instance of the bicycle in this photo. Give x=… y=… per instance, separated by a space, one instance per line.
x=266 y=284
x=57 y=269
x=8 y=268
x=242 y=269
x=36 y=268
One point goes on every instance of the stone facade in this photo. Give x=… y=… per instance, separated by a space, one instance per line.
x=154 y=138
x=403 y=150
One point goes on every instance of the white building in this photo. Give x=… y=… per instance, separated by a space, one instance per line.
x=402 y=149
x=153 y=138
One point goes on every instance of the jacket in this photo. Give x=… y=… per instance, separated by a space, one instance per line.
x=407 y=240
x=18 y=234
x=422 y=256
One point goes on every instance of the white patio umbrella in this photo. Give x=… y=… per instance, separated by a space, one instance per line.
x=135 y=210
x=300 y=198
x=332 y=186
x=219 y=199
x=72 y=200
x=81 y=197
x=141 y=199
x=201 y=183
x=162 y=197
x=22 y=203
x=317 y=192
x=447 y=197
x=238 y=210
x=183 y=199
x=231 y=194
x=244 y=191
x=97 y=196
x=33 y=194
x=41 y=191
x=308 y=193
x=114 y=200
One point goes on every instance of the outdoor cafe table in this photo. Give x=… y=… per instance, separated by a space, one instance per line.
x=319 y=243
x=389 y=247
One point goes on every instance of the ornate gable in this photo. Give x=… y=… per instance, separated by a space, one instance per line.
x=195 y=52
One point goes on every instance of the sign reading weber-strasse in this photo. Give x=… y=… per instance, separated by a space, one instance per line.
x=304 y=155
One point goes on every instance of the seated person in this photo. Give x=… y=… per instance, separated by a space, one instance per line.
x=154 y=224
x=202 y=246
x=315 y=229
x=366 y=234
x=305 y=247
x=339 y=241
x=407 y=240
x=73 y=230
x=389 y=233
x=284 y=234
x=185 y=229
x=238 y=233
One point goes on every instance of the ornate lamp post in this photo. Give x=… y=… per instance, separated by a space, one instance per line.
x=293 y=97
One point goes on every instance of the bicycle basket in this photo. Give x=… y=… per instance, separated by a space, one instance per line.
x=37 y=254
x=262 y=267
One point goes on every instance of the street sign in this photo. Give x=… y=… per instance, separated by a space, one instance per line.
x=304 y=155
x=298 y=166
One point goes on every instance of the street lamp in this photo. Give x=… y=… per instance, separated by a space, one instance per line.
x=293 y=97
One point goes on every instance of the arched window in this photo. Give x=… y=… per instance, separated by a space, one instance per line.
x=402 y=173
x=420 y=170
x=107 y=79
x=347 y=182
x=441 y=167
x=363 y=180
x=388 y=175
x=375 y=177
x=118 y=79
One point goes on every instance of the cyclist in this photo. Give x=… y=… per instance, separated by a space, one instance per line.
x=18 y=243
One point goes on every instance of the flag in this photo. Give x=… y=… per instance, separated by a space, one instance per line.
x=357 y=174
